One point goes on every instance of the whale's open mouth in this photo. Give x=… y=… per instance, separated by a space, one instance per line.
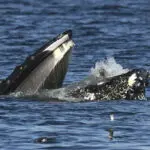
x=46 y=68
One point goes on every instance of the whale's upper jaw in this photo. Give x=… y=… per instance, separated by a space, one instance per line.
x=47 y=65
x=130 y=85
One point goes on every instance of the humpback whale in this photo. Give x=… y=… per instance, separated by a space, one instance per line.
x=47 y=67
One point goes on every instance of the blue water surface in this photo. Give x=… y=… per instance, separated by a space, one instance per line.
x=116 y=28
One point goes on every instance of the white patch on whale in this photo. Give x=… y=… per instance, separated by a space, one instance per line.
x=132 y=79
x=89 y=96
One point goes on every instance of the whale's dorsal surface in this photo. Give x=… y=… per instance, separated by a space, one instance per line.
x=46 y=68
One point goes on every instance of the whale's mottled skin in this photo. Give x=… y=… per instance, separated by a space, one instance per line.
x=130 y=85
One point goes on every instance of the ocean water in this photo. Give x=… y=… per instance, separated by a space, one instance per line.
x=114 y=28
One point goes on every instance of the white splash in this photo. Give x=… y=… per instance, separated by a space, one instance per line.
x=108 y=68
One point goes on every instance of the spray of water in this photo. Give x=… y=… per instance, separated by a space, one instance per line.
x=108 y=68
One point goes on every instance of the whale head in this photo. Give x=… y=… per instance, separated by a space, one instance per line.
x=46 y=68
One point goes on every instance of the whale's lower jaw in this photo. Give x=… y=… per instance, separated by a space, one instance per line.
x=130 y=85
